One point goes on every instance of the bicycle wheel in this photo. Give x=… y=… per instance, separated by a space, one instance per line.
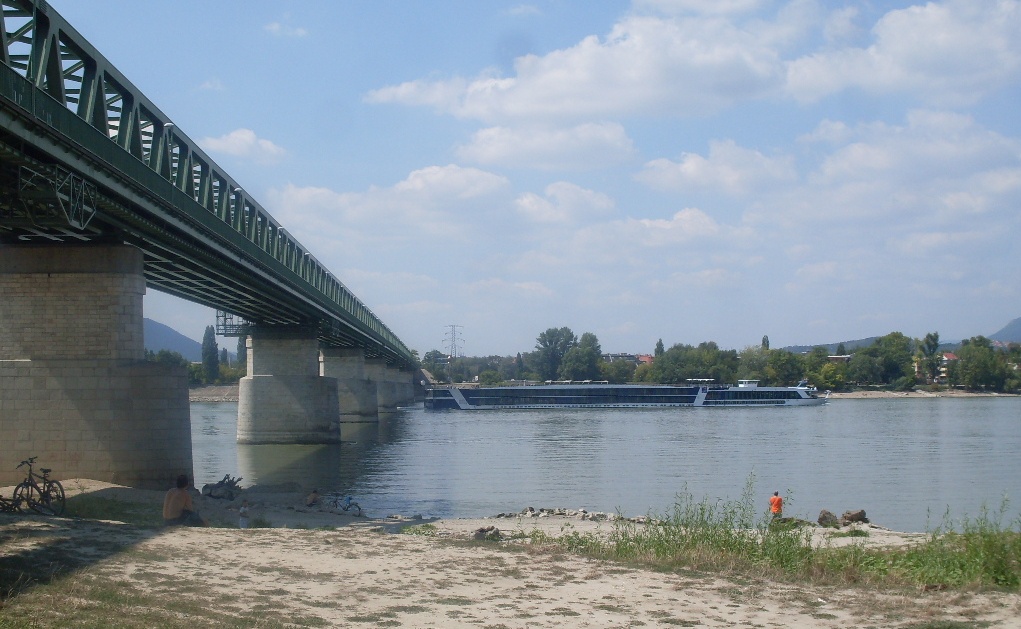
x=25 y=495
x=52 y=499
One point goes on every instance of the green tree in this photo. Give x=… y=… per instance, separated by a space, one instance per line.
x=644 y=373
x=929 y=356
x=617 y=372
x=895 y=354
x=659 y=348
x=784 y=368
x=551 y=346
x=978 y=366
x=684 y=362
x=832 y=376
x=765 y=342
x=490 y=378
x=889 y=360
x=815 y=359
x=864 y=368
x=754 y=361
x=210 y=356
x=582 y=361
x=242 y=350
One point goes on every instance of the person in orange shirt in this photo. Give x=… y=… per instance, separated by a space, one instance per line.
x=776 y=505
x=178 y=508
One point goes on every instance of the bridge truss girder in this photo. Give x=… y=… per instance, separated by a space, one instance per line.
x=85 y=156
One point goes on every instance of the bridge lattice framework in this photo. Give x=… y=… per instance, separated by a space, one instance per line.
x=85 y=156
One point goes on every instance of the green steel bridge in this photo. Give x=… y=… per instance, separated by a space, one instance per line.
x=86 y=157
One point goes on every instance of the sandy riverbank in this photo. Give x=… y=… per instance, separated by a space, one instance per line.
x=360 y=572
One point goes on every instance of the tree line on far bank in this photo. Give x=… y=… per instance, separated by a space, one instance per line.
x=215 y=368
x=889 y=362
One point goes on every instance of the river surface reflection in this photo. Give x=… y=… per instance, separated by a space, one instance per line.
x=905 y=461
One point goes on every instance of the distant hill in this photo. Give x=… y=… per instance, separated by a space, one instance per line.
x=1011 y=333
x=159 y=336
x=849 y=346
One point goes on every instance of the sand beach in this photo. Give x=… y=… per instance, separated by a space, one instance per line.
x=316 y=567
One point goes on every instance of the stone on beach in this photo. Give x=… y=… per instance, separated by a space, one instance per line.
x=850 y=517
x=828 y=520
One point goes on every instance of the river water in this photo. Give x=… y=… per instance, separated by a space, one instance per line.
x=906 y=461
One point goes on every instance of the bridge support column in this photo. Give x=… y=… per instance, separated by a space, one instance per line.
x=356 y=394
x=386 y=391
x=403 y=387
x=283 y=399
x=75 y=390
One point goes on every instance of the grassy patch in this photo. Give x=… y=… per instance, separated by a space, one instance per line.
x=425 y=530
x=454 y=600
x=851 y=533
x=562 y=611
x=90 y=507
x=732 y=537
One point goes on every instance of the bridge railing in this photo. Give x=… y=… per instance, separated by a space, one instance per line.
x=53 y=73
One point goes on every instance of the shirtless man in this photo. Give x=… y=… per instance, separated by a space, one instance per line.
x=178 y=508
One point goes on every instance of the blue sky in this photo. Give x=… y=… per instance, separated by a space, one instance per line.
x=684 y=170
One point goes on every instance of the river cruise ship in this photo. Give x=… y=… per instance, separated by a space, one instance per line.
x=604 y=395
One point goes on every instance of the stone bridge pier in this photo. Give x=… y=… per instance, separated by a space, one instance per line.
x=356 y=393
x=284 y=399
x=75 y=389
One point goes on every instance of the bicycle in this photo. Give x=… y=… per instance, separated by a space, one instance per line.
x=41 y=493
x=7 y=505
x=344 y=503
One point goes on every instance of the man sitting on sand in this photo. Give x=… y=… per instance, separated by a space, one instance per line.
x=312 y=499
x=177 y=506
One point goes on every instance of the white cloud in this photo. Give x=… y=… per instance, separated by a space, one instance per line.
x=687 y=225
x=564 y=202
x=585 y=146
x=244 y=143
x=730 y=169
x=645 y=65
x=438 y=204
x=279 y=29
x=841 y=25
x=503 y=288
x=949 y=53
x=524 y=9
x=212 y=85
x=927 y=244
x=450 y=181
x=931 y=151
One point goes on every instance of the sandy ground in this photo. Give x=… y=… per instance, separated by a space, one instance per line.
x=360 y=572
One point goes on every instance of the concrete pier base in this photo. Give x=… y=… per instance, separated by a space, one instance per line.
x=75 y=390
x=283 y=399
x=356 y=394
x=386 y=391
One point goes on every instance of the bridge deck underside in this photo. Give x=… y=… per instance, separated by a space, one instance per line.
x=221 y=275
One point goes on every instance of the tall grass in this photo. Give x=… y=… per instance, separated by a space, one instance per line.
x=974 y=551
x=704 y=534
x=733 y=536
